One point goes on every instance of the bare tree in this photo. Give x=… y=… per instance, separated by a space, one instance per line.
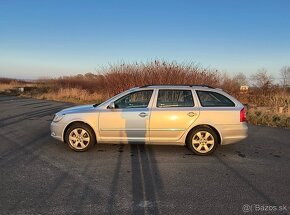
x=228 y=84
x=241 y=79
x=262 y=80
x=285 y=76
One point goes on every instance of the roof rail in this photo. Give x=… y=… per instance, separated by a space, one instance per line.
x=186 y=85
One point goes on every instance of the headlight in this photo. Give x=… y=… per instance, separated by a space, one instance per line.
x=57 y=117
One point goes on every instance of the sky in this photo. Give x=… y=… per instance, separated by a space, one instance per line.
x=54 y=38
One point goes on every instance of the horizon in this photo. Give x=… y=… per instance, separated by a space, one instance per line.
x=53 y=39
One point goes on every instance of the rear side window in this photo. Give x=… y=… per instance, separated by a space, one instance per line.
x=174 y=98
x=214 y=99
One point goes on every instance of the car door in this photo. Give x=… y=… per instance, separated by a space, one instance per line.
x=172 y=114
x=128 y=120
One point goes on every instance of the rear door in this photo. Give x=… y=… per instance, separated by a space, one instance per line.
x=173 y=111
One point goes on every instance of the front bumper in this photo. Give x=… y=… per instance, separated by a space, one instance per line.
x=56 y=130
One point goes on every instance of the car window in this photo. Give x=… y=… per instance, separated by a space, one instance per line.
x=174 y=98
x=214 y=99
x=139 y=99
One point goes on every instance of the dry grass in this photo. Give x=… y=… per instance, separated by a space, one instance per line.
x=8 y=86
x=73 y=95
x=12 y=85
x=4 y=87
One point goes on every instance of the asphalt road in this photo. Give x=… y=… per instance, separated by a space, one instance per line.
x=40 y=175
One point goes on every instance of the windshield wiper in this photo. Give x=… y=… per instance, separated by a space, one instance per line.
x=95 y=105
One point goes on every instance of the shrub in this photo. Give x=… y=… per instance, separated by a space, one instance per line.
x=268 y=119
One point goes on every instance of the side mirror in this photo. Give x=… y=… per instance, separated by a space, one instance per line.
x=111 y=105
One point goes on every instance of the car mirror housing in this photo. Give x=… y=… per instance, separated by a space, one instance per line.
x=111 y=106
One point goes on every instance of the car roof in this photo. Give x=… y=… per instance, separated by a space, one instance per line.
x=177 y=86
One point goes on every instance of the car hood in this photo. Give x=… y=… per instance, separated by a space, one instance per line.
x=78 y=109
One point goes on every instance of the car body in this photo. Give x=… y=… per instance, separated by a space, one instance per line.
x=156 y=114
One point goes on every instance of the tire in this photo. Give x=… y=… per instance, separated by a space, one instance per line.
x=202 y=141
x=80 y=137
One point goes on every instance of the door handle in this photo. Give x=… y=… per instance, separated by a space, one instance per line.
x=191 y=114
x=143 y=114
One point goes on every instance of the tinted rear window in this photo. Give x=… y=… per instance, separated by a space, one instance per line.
x=213 y=99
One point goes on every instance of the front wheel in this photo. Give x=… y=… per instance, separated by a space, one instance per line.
x=202 y=141
x=80 y=137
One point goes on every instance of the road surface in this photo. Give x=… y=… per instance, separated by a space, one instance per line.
x=40 y=175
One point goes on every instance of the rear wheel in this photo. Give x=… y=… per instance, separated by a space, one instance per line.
x=80 y=137
x=202 y=141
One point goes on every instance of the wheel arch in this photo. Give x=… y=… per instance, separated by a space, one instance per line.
x=208 y=126
x=77 y=122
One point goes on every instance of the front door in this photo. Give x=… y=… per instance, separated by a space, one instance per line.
x=128 y=121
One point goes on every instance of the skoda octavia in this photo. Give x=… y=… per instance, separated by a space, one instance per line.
x=200 y=117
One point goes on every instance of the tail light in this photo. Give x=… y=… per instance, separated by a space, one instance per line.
x=243 y=117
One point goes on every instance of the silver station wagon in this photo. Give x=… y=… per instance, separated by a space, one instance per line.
x=200 y=117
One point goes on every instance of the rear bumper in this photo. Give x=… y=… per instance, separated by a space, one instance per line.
x=233 y=133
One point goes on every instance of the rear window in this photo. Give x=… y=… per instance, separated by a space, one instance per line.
x=213 y=99
x=174 y=98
